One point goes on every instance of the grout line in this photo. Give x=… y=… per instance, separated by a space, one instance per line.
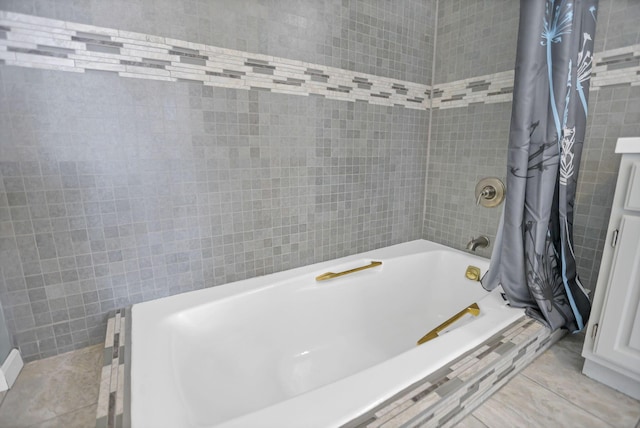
x=556 y=394
x=428 y=158
x=4 y=397
x=567 y=399
x=568 y=348
x=553 y=391
x=604 y=45
x=477 y=419
x=38 y=424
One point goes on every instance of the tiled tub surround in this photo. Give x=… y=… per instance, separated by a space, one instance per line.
x=446 y=396
x=467 y=144
x=290 y=356
x=29 y=41
x=441 y=399
x=85 y=230
x=156 y=188
x=469 y=140
x=476 y=40
x=111 y=397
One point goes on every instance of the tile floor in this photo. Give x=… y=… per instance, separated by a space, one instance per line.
x=553 y=392
x=62 y=391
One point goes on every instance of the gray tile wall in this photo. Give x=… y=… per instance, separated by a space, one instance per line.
x=614 y=112
x=467 y=144
x=475 y=38
x=617 y=24
x=381 y=37
x=116 y=191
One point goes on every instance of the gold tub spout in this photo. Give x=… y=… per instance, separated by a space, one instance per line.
x=331 y=275
x=472 y=309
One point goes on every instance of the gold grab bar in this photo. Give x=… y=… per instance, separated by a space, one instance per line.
x=331 y=275
x=472 y=309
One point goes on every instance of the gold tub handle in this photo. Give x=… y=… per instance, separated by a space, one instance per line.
x=472 y=309
x=331 y=275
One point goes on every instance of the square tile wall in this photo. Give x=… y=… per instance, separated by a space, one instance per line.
x=467 y=144
x=475 y=38
x=613 y=112
x=617 y=24
x=115 y=191
x=381 y=37
x=126 y=138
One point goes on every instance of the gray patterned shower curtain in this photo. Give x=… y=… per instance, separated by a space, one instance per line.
x=533 y=258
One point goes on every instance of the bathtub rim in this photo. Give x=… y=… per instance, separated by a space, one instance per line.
x=299 y=406
x=241 y=287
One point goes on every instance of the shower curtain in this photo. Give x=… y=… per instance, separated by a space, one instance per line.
x=533 y=258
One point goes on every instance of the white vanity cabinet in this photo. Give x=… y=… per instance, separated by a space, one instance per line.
x=612 y=343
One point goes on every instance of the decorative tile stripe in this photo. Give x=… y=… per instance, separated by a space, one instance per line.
x=614 y=67
x=446 y=396
x=491 y=88
x=109 y=413
x=31 y=41
x=35 y=42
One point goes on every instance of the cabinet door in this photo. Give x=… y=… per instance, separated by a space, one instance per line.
x=619 y=334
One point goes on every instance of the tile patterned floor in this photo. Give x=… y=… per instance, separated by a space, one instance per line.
x=62 y=391
x=553 y=392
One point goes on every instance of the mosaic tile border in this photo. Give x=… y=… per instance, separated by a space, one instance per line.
x=110 y=410
x=35 y=42
x=615 y=67
x=446 y=396
x=487 y=89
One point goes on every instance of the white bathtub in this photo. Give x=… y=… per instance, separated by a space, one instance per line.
x=285 y=350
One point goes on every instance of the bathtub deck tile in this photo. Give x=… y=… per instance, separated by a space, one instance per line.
x=103 y=394
x=391 y=413
x=120 y=390
x=504 y=348
x=476 y=400
x=469 y=359
x=403 y=399
x=412 y=412
x=110 y=407
x=462 y=368
x=442 y=398
x=468 y=374
x=438 y=375
x=108 y=340
x=448 y=387
x=454 y=390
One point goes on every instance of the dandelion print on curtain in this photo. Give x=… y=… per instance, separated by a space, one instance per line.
x=533 y=258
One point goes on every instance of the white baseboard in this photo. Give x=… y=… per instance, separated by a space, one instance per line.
x=10 y=369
